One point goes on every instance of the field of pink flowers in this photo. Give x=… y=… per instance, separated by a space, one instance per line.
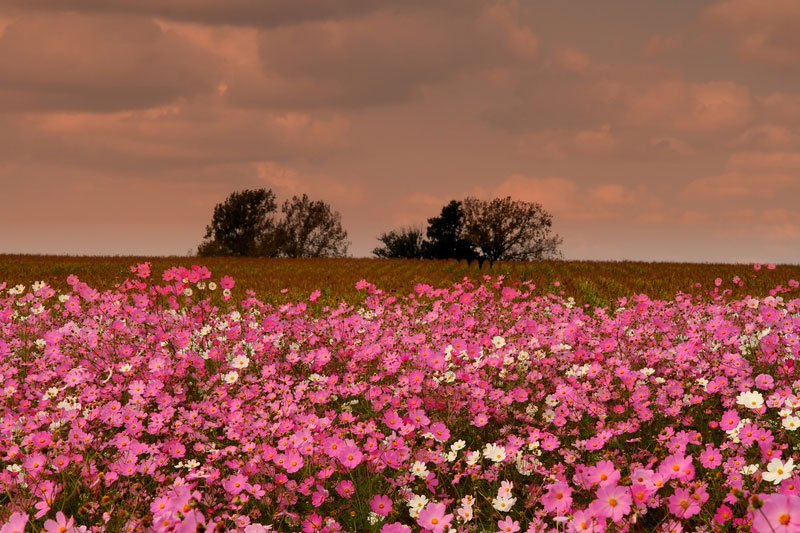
x=474 y=407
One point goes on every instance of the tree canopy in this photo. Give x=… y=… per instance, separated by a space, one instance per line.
x=246 y=224
x=240 y=224
x=498 y=230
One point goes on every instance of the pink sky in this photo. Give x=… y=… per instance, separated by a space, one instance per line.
x=650 y=130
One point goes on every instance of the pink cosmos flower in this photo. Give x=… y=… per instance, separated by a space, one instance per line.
x=508 y=525
x=59 y=525
x=558 y=498
x=433 y=517
x=677 y=466
x=350 y=456
x=612 y=502
x=587 y=522
x=440 y=431
x=710 y=458
x=682 y=505
x=723 y=514
x=16 y=523
x=235 y=484
x=395 y=527
x=345 y=488
x=603 y=473
x=640 y=493
x=381 y=504
x=779 y=514
x=730 y=419
x=34 y=464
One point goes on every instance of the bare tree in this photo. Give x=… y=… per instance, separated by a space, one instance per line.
x=510 y=230
x=310 y=229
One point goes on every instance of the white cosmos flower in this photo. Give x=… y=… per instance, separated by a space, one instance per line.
x=504 y=503
x=498 y=341
x=494 y=452
x=777 y=471
x=458 y=445
x=791 y=423
x=419 y=469
x=240 y=361
x=473 y=457
x=230 y=377
x=750 y=399
x=416 y=504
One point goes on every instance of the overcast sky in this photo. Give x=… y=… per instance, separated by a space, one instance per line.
x=651 y=130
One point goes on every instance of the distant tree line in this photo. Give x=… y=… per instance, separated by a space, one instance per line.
x=247 y=224
x=476 y=230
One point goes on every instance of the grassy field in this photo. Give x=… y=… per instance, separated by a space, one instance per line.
x=593 y=283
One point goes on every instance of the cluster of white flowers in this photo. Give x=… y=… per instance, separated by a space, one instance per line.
x=750 y=399
x=70 y=403
x=416 y=504
x=494 y=452
x=419 y=469
x=504 y=500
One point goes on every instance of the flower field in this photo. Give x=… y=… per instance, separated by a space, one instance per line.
x=181 y=401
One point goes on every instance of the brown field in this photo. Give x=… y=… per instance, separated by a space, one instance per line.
x=593 y=283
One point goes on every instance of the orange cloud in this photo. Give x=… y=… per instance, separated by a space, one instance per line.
x=761 y=30
x=571 y=59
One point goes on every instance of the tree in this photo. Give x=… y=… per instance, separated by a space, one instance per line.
x=405 y=242
x=310 y=229
x=446 y=236
x=239 y=224
x=510 y=230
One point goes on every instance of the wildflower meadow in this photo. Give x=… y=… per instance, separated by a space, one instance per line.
x=487 y=405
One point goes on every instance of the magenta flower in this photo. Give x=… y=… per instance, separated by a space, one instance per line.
x=612 y=502
x=16 y=523
x=350 y=455
x=558 y=498
x=381 y=504
x=433 y=517
x=395 y=527
x=779 y=514
x=603 y=473
x=508 y=525
x=587 y=522
x=682 y=505
x=723 y=514
x=59 y=525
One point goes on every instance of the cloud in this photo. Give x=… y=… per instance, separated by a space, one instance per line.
x=288 y=181
x=660 y=44
x=612 y=193
x=188 y=134
x=761 y=30
x=597 y=142
x=68 y=62
x=571 y=59
x=761 y=160
x=736 y=184
x=265 y=14
x=380 y=58
x=766 y=136
x=671 y=145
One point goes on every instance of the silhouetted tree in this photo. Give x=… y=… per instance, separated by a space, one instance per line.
x=510 y=230
x=310 y=229
x=239 y=224
x=446 y=236
x=405 y=242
